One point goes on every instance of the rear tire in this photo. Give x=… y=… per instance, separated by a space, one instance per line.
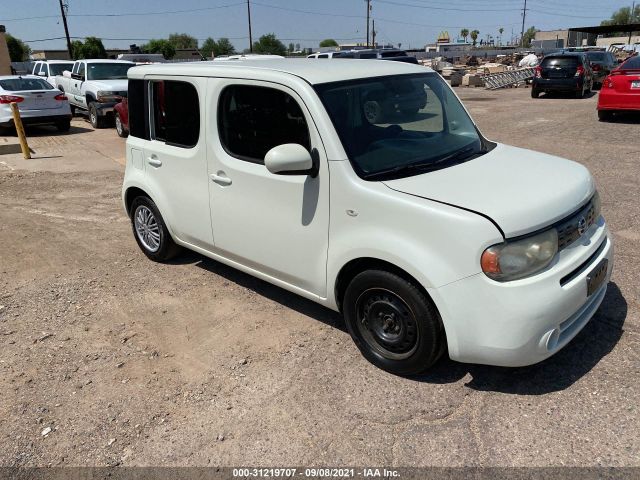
x=63 y=125
x=120 y=130
x=580 y=93
x=150 y=231
x=535 y=93
x=393 y=323
x=605 y=115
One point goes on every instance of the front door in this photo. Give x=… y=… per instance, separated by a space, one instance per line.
x=175 y=158
x=275 y=224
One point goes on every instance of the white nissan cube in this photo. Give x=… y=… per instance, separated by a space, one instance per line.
x=365 y=186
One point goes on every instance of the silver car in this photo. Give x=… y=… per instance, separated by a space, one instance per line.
x=38 y=102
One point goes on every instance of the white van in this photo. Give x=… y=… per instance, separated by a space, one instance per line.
x=365 y=186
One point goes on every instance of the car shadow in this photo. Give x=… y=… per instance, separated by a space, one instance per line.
x=569 y=96
x=594 y=342
x=46 y=131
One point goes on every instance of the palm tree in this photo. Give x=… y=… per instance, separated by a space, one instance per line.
x=501 y=30
x=464 y=33
x=474 y=36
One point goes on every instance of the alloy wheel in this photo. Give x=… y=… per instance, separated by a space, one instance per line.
x=147 y=228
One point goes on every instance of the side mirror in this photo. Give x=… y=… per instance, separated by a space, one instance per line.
x=66 y=74
x=77 y=76
x=42 y=73
x=289 y=159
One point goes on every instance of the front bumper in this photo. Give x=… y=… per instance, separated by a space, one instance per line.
x=105 y=108
x=523 y=322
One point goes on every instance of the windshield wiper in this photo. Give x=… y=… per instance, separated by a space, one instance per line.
x=455 y=157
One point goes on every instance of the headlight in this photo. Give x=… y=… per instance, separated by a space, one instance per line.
x=521 y=258
x=105 y=96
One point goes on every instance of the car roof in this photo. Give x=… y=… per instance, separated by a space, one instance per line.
x=566 y=54
x=54 y=61
x=104 y=60
x=14 y=77
x=307 y=69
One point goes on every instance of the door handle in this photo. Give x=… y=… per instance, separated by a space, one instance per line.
x=154 y=162
x=221 y=179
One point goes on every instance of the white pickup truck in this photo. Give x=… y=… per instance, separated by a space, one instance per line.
x=95 y=86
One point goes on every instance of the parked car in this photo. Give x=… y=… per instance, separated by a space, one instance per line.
x=602 y=63
x=427 y=236
x=563 y=72
x=121 y=113
x=48 y=69
x=322 y=55
x=95 y=86
x=620 y=90
x=380 y=54
x=38 y=102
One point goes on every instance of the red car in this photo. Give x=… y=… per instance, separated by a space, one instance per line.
x=620 y=90
x=121 y=113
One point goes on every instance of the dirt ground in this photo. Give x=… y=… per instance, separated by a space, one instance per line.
x=127 y=362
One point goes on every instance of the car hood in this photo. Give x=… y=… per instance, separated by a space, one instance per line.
x=111 y=85
x=520 y=190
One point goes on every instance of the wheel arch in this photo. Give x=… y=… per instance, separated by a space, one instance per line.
x=131 y=194
x=358 y=265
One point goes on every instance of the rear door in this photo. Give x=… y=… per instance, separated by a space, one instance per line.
x=175 y=158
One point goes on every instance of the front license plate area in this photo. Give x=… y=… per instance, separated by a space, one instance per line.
x=597 y=276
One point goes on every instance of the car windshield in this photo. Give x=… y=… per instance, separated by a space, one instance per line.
x=24 y=84
x=631 y=64
x=108 y=71
x=58 y=68
x=401 y=125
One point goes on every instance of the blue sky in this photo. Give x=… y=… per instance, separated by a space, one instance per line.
x=410 y=22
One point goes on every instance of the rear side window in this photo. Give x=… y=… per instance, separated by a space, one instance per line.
x=253 y=120
x=25 y=83
x=631 y=64
x=176 y=113
x=597 y=56
x=563 y=62
x=137 y=124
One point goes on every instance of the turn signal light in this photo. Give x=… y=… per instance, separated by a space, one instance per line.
x=538 y=71
x=579 y=71
x=61 y=97
x=5 y=99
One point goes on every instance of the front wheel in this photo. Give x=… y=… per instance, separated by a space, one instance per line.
x=150 y=231
x=96 y=120
x=393 y=323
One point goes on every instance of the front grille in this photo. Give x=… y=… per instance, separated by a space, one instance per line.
x=572 y=228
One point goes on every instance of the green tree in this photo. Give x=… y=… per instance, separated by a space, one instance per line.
x=18 y=50
x=224 y=47
x=77 y=50
x=528 y=36
x=474 y=36
x=329 y=42
x=270 y=44
x=291 y=48
x=93 y=48
x=208 y=47
x=464 y=33
x=623 y=16
x=165 y=47
x=183 y=40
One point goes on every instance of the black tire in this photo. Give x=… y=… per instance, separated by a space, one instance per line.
x=63 y=125
x=96 y=120
x=393 y=323
x=580 y=93
x=120 y=130
x=73 y=110
x=166 y=248
x=605 y=115
x=535 y=93
x=373 y=111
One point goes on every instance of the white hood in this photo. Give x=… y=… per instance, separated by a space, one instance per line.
x=111 y=85
x=520 y=190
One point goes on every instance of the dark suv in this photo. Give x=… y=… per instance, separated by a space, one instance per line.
x=381 y=54
x=563 y=72
x=601 y=63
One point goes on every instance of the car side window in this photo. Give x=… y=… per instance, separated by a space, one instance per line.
x=176 y=113
x=36 y=68
x=252 y=120
x=81 y=70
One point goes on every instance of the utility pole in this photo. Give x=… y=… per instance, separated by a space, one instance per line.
x=250 y=36
x=373 y=33
x=368 y=13
x=524 y=16
x=66 y=28
x=633 y=10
